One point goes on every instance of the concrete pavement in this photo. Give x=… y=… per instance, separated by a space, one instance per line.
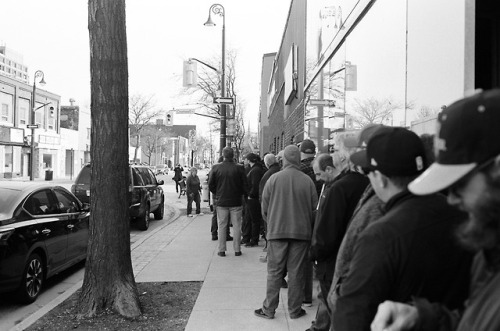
x=233 y=287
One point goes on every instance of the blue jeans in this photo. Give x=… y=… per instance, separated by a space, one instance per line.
x=285 y=255
x=222 y=219
x=194 y=196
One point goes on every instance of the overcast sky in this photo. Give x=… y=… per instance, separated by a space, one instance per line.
x=52 y=36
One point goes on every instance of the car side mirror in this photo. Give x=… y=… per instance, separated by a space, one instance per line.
x=86 y=207
x=160 y=182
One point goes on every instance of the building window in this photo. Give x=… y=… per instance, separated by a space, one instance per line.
x=47 y=160
x=6 y=102
x=24 y=106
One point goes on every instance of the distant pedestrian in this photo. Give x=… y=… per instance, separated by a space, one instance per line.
x=288 y=201
x=178 y=176
x=193 y=189
x=229 y=184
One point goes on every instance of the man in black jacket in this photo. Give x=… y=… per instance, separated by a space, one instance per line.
x=339 y=197
x=252 y=225
x=411 y=250
x=228 y=183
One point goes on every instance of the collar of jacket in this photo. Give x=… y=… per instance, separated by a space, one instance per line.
x=397 y=199
x=290 y=165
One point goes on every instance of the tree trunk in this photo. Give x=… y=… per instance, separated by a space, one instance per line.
x=109 y=280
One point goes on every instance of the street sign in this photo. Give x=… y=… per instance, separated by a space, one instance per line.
x=231 y=128
x=223 y=101
x=32 y=126
x=324 y=103
x=184 y=111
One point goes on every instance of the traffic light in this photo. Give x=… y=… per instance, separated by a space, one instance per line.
x=170 y=118
x=189 y=74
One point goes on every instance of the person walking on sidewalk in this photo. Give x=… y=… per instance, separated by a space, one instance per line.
x=288 y=201
x=193 y=189
x=229 y=184
x=177 y=176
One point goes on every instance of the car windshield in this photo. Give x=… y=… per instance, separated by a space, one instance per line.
x=84 y=176
x=7 y=198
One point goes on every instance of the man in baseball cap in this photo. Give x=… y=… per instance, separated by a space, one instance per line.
x=476 y=120
x=468 y=165
x=411 y=250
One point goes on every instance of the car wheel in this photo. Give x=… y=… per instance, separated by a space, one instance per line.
x=143 y=221
x=33 y=278
x=158 y=213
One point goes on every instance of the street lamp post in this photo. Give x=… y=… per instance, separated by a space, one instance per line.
x=218 y=9
x=38 y=74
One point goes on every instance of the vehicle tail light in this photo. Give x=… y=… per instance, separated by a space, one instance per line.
x=135 y=196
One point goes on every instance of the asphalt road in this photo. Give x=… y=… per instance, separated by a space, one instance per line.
x=12 y=313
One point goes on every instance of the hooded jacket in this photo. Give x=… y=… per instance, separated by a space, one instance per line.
x=288 y=201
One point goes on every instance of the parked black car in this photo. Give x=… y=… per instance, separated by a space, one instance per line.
x=44 y=230
x=146 y=193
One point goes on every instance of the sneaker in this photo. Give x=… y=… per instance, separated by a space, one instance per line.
x=221 y=254
x=251 y=244
x=237 y=253
x=200 y=214
x=307 y=304
x=229 y=238
x=214 y=238
x=244 y=242
x=190 y=215
x=260 y=313
x=301 y=313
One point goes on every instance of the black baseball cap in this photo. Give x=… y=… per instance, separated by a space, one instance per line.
x=468 y=135
x=394 y=151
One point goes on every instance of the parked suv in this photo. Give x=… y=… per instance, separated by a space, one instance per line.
x=146 y=193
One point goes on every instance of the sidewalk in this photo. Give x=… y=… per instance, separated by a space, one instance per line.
x=233 y=287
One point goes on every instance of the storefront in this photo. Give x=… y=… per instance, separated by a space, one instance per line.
x=394 y=62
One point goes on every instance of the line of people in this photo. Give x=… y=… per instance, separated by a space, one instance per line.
x=391 y=228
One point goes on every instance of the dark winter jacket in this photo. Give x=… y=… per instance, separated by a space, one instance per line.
x=274 y=168
x=193 y=185
x=481 y=308
x=336 y=206
x=410 y=251
x=254 y=177
x=228 y=183
x=306 y=167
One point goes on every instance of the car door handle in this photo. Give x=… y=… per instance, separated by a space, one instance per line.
x=46 y=231
x=70 y=226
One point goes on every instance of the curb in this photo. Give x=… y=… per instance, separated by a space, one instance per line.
x=31 y=319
